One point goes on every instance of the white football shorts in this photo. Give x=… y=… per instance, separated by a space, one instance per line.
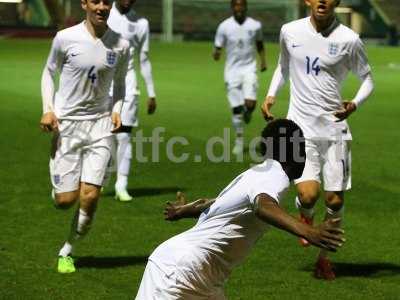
x=82 y=154
x=243 y=86
x=333 y=159
x=156 y=285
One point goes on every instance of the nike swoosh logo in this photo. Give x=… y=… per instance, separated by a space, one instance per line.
x=74 y=54
x=295 y=46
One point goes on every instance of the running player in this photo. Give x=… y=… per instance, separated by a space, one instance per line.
x=196 y=263
x=242 y=37
x=317 y=53
x=81 y=114
x=134 y=28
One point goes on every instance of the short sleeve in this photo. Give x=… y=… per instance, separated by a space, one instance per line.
x=220 y=37
x=259 y=33
x=358 y=60
x=273 y=184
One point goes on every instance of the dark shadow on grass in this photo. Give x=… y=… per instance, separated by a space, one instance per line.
x=374 y=270
x=109 y=262
x=366 y=270
x=140 y=192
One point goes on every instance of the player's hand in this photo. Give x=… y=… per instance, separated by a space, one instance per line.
x=216 y=54
x=266 y=108
x=151 y=106
x=116 y=120
x=327 y=235
x=348 y=108
x=263 y=67
x=49 y=122
x=173 y=210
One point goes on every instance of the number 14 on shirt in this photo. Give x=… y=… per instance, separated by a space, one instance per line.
x=312 y=65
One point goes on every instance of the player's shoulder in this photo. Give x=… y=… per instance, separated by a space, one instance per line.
x=346 y=34
x=137 y=19
x=296 y=25
x=70 y=32
x=115 y=40
x=271 y=171
x=228 y=22
x=253 y=22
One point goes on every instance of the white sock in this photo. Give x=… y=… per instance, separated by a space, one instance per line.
x=122 y=182
x=332 y=214
x=124 y=153
x=65 y=250
x=80 y=225
x=237 y=123
x=307 y=212
x=84 y=221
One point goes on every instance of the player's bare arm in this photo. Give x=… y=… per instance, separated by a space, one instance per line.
x=326 y=235
x=217 y=53
x=261 y=53
x=181 y=209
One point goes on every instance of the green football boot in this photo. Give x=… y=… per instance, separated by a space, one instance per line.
x=65 y=264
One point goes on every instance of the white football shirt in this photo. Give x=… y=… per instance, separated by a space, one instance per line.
x=317 y=66
x=239 y=40
x=87 y=67
x=226 y=232
x=136 y=30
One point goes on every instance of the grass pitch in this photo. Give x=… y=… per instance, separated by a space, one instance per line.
x=192 y=104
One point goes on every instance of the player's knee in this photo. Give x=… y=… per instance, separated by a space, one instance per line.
x=308 y=197
x=65 y=200
x=89 y=195
x=334 y=200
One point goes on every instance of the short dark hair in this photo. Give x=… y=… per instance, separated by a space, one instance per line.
x=283 y=140
x=234 y=1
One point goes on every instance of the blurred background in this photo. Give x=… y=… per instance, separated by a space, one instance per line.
x=377 y=20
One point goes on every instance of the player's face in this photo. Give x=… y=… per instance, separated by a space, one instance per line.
x=239 y=8
x=97 y=11
x=125 y=6
x=322 y=9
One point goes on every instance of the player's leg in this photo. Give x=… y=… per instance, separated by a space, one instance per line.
x=308 y=186
x=337 y=179
x=129 y=117
x=124 y=157
x=334 y=209
x=236 y=101
x=250 y=87
x=65 y=170
x=65 y=183
x=307 y=196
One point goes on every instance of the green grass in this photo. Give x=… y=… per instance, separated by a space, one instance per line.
x=192 y=104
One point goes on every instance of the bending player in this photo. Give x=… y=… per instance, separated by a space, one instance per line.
x=88 y=56
x=241 y=36
x=196 y=263
x=124 y=20
x=317 y=53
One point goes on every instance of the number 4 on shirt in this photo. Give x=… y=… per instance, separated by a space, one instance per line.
x=92 y=75
x=314 y=66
